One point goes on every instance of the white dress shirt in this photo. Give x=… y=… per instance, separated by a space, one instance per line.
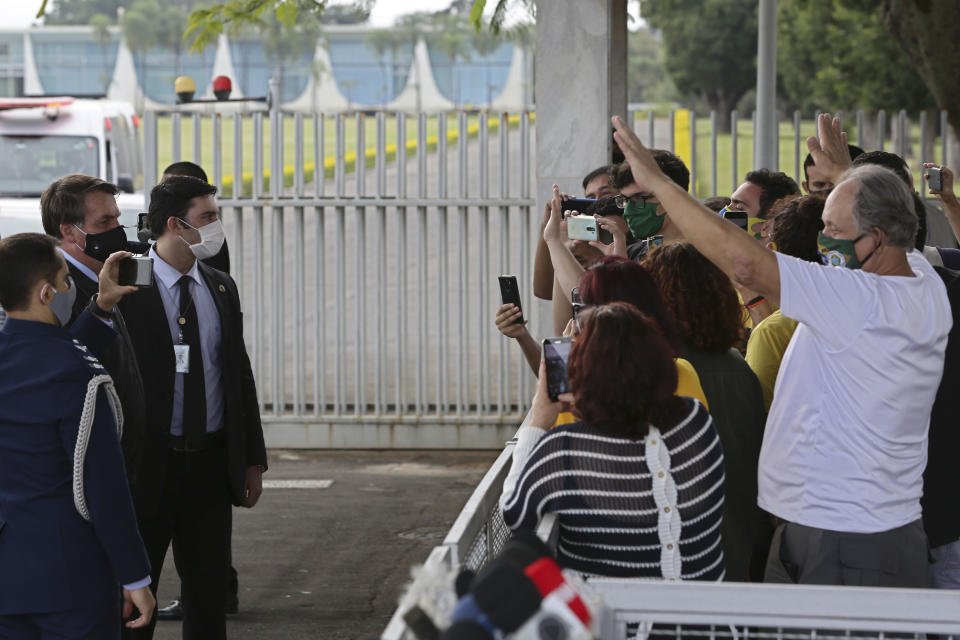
x=167 y=281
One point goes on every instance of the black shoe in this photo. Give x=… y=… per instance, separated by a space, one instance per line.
x=173 y=611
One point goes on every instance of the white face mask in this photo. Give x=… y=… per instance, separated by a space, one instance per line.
x=211 y=239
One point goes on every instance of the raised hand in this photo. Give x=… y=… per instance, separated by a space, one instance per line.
x=617 y=227
x=830 y=153
x=508 y=321
x=644 y=168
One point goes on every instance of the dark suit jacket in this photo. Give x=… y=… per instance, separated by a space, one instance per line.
x=50 y=558
x=121 y=363
x=150 y=333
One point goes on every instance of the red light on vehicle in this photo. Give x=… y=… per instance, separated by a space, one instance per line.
x=107 y=124
x=222 y=86
x=136 y=121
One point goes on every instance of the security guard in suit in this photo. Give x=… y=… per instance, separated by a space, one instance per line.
x=68 y=535
x=203 y=430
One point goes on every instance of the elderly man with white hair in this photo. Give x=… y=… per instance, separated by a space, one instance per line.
x=845 y=442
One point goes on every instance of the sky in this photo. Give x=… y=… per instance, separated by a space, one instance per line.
x=20 y=13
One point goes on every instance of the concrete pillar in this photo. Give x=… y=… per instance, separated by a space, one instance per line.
x=581 y=81
x=765 y=147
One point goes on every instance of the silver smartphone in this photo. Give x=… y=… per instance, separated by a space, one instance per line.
x=583 y=227
x=136 y=271
x=935 y=178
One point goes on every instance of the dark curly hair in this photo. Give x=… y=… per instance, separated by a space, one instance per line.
x=671 y=165
x=775 y=185
x=622 y=373
x=708 y=312
x=796 y=226
x=616 y=279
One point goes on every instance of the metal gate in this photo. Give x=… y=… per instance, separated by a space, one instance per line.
x=368 y=276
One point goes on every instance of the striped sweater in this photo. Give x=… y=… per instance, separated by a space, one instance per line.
x=651 y=508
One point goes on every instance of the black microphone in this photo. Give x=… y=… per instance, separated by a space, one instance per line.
x=506 y=595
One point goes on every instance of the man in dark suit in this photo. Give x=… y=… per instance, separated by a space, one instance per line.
x=203 y=429
x=221 y=261
x=81 y=212
x=68 y=535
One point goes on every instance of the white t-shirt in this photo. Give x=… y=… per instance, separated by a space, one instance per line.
x=846 y=438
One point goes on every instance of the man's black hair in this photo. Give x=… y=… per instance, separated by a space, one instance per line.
x=172 y=198
x=775 y=185
x=670 y=164
x=796 y=227
x=25 y=260
x=855 y=151
x=606 y=170
x=186 y=169
x=889 y=160
x=716 y=203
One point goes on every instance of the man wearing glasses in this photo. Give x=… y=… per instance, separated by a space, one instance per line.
x=645 y=217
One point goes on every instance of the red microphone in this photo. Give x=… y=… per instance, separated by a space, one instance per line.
x=546 y=575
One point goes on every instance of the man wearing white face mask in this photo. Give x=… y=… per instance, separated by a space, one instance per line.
x=203 y=429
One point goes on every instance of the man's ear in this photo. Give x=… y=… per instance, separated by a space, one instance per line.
x=67 y=232
x=173 y=223
x=806 y=186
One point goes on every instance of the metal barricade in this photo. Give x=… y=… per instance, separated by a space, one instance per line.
x=367 y=275
x=698 y=610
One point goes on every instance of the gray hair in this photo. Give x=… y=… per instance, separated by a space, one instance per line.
x=883 y=201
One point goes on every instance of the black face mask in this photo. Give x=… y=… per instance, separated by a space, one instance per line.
x=100 y=245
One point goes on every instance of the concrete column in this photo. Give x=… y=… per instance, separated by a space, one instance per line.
x=765 y=147
x=581 y=81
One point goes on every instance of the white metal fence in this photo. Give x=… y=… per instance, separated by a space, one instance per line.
x=369 y=278
x=368 y=271
x=700 y=610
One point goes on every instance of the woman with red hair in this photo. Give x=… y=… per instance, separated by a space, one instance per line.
x=637 y=482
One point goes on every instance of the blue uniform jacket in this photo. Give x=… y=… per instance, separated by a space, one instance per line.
x=50 y=558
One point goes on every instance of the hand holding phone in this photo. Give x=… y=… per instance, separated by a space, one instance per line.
x=582 y=227
x=510 y=294
x=934 y=177
x=556 y=355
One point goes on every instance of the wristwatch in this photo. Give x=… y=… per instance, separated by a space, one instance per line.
x=97 y=311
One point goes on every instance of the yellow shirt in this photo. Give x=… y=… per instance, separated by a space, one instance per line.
x=768 y=342
x=688 y=384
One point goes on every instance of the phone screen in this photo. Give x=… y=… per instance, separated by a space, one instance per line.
x=738 y=218
x=556 y=354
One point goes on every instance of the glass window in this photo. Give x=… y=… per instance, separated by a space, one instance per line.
x=28 y=164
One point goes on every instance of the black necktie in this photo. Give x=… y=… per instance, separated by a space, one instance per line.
x=194 y=391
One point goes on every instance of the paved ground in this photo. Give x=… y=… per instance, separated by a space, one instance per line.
x=331 y=563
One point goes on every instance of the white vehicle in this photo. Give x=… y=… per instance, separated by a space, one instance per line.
x=43 y=139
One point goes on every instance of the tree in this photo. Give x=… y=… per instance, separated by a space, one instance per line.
x=823 y=65
x=928 y=32
x=101 y=24
x=710 y=48
x=139 y=34
x=283 y=44
x=649 y=81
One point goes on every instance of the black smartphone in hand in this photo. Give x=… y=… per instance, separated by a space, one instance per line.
x=556 y=354
x=510 y=293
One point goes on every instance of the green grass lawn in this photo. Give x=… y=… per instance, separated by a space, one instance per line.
x=703 y=168
x=229 y=155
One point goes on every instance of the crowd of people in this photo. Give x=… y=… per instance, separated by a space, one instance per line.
x=130 y=418
x=759 y=385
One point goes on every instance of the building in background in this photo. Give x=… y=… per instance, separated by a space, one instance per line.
x=345 y=72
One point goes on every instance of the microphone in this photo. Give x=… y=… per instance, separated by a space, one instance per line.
x=546 y=575
x=506 y=595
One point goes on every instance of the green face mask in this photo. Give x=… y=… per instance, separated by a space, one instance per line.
x=836 y=252
x=642 y=219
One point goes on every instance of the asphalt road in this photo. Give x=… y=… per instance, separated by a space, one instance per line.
x=331 y=563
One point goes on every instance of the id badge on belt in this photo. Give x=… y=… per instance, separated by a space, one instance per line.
x=181 y=353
